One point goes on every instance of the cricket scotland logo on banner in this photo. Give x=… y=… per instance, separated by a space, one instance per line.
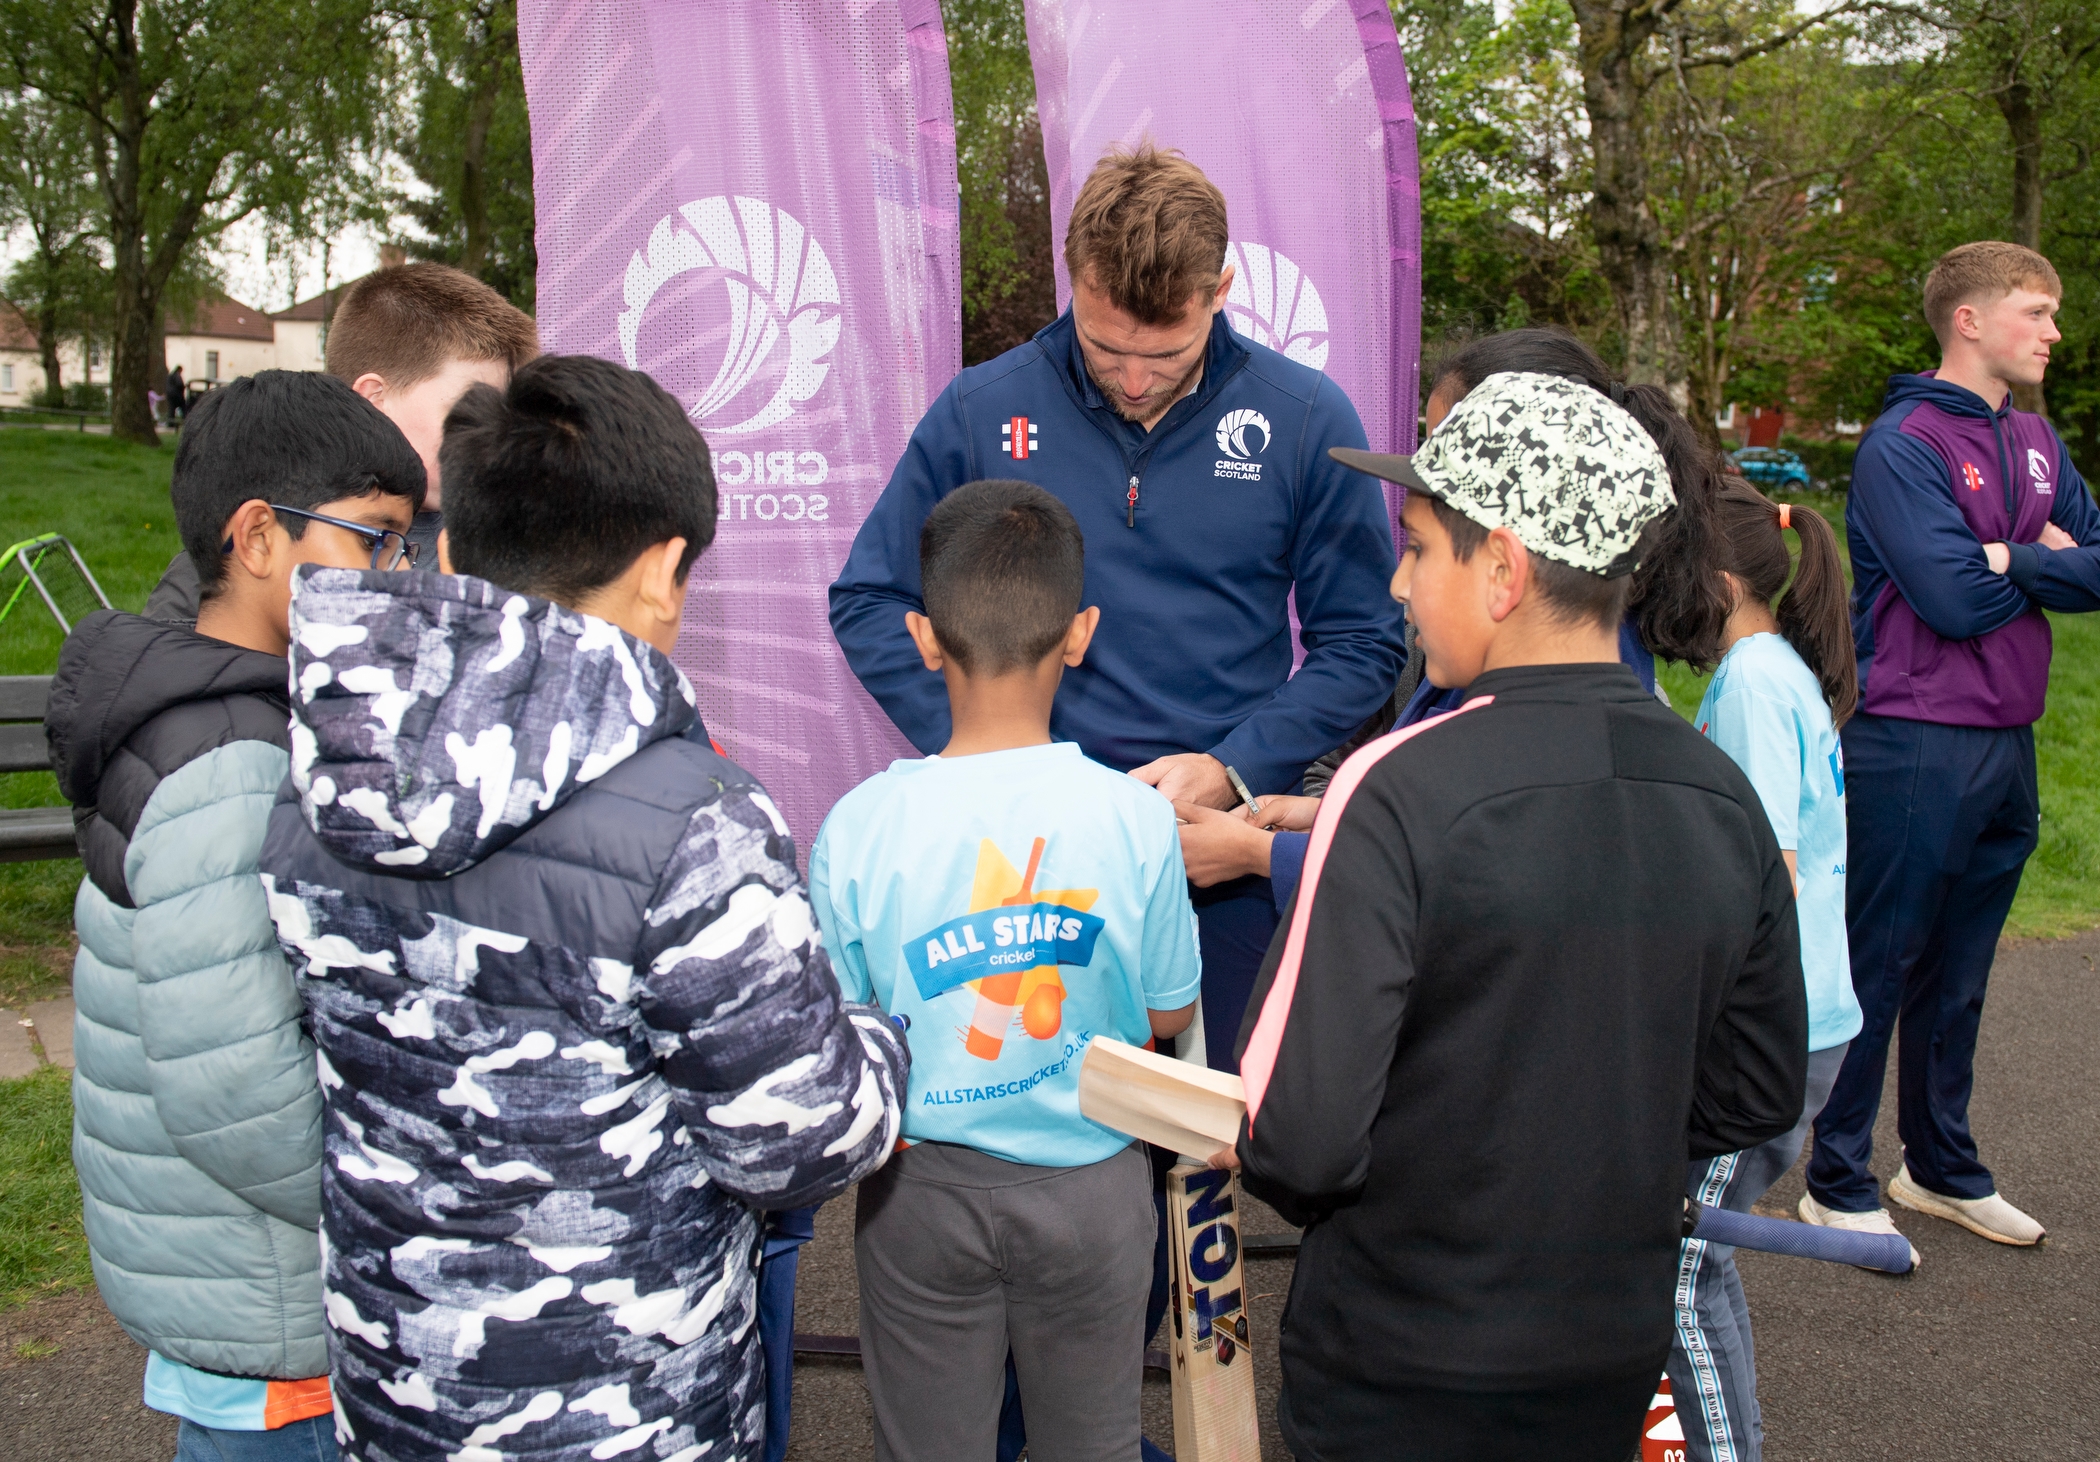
x=1272 y=302
x=1243 y=435
x=777 y=319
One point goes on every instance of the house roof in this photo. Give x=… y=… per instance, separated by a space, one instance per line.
x=16 y=333
x=225 y=317
x=315 y=307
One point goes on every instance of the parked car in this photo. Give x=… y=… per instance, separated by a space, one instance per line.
x=1771 y=467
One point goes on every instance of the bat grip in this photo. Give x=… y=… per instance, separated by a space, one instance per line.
x=1890 y=1253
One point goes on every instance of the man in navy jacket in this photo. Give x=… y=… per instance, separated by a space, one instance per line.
x=1966 y=520
x=1196 y=463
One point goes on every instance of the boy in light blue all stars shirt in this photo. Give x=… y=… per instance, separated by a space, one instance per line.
x=1007 y=902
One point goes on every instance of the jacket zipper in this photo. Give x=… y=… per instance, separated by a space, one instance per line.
x=1130 y=500
x=2004 y=474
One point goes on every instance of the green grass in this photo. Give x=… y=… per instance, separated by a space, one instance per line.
x=42 y=1248
x=111 y=499
x=2060 y=891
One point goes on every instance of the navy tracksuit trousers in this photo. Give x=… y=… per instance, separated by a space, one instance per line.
x=1941 y=821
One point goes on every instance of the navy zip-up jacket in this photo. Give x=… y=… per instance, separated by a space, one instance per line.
x=1196 y=533
x=1939 y=636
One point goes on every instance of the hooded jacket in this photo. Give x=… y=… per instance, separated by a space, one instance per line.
x=196 y=1114
x=1939 y=636
x=1201 y=535
x=576 y=1028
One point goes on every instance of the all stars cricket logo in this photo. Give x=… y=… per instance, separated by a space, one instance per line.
x=1008 y=949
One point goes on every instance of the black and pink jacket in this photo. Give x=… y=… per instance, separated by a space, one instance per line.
x=1543 y=953
x=1940 y=636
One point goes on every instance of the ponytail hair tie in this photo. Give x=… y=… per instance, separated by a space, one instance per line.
x=1786 y=514
x=1617 y=392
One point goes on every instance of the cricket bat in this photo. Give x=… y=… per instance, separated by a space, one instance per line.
x=1192 y=1111
x=1213 y=1370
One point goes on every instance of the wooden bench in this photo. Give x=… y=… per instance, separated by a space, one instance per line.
x=33 y=833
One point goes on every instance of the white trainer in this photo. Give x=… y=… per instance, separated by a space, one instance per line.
x=1991 y=1217
x=1874 y=1221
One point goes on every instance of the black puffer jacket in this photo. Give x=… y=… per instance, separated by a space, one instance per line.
x=134 y=700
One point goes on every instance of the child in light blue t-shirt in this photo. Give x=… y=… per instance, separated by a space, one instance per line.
x=1007 y=902
x=1767 y=710
x=1784 y=683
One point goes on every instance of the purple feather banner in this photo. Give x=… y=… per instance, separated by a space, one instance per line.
x=755 y=202
x=1299 y=111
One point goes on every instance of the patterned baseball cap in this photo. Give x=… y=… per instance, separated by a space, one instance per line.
x=1563 y=466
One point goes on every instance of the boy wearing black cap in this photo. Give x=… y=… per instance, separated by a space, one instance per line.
x=1543 y=951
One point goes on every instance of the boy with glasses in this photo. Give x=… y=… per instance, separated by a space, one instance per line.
x=197 y=1115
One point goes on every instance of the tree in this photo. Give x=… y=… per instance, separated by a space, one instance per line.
x=1748 y=163
x=47 y=188
x=198 y=113
x=1009 y=274
x=1621 y=55
x=1505 y=169
x=2028 y=59
x=471 y=145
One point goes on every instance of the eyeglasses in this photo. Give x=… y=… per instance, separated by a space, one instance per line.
x=390 y=550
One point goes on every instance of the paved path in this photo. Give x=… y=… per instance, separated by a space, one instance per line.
x=1986 y=1353
x=30 y=1038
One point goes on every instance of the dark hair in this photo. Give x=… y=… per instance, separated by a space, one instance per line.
x=1570 y=594
x=555 y=484
x=404 y=322
x=1001 y=565
x=297 y=438
x=1750 y=544
x=1682 y=535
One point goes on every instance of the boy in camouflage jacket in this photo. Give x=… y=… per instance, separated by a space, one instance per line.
x=575 y=1025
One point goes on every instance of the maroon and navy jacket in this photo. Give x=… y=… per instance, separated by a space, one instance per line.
x=1940 y=637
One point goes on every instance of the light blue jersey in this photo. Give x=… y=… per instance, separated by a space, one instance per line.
x=1765 y=708
x=1009 y=907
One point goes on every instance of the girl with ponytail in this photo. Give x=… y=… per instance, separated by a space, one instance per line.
x=1784 y=680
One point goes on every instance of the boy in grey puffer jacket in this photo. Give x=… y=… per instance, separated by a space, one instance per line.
x=196 y=1113
x=576 y=1027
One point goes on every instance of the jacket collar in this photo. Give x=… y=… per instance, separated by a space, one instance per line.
x=1955 y=400
x=1222 y=359
x=1601 y=681
x=118 y=671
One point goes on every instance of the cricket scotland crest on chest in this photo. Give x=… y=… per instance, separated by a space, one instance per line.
x=1243 y=435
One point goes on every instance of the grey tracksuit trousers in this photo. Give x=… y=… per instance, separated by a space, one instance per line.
x=963 y=1256
x=1713 y=1364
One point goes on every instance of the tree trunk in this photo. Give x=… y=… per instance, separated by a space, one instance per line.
x=1629 y=243
x=47 y=314
x=137 y=302
x=473 y=182
x=2023 y=119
